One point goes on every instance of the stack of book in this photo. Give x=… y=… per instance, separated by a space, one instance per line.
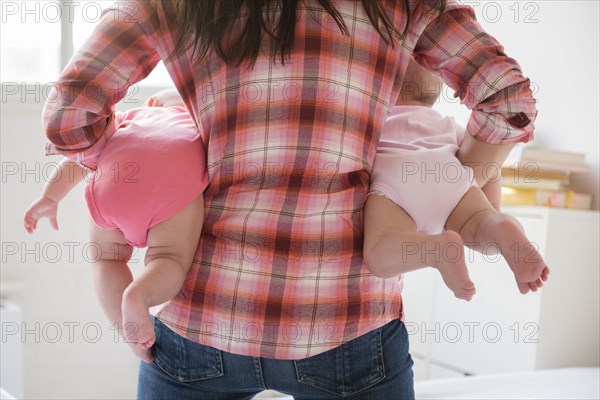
x=542 y=177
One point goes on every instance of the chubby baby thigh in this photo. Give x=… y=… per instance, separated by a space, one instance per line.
x=178 y=236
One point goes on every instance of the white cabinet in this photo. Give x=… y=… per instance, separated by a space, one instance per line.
x=500 y=330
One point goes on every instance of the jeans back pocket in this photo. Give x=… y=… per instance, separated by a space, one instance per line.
x=347 y=369
x=183 y=359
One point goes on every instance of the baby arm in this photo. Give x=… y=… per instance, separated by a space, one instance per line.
x=481 y=156
x=493 y=192
x=63 y=179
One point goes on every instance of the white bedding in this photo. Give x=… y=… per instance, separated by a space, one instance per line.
x=568 y=383
x=563 y=384
x=5 y=396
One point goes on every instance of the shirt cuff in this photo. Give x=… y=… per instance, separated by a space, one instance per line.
x=497 y=129
x=87 y=158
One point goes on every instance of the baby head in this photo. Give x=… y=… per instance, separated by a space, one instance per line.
x=419 y=87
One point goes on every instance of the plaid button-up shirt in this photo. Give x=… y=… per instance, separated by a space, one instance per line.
x=279 y=270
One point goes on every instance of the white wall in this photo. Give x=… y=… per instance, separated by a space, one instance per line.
x=556 y=43
x=559 y=53
x=69 y=348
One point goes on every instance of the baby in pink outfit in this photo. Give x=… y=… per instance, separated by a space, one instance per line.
x=424 y=205
x=138 y=197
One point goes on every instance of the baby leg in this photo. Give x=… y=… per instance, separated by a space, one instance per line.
x=171 y=248
x=392 y=247
x=479 y=224
x=111 y=277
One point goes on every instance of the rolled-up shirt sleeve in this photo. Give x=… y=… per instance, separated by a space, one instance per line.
x=487 y=81
x=79 y=114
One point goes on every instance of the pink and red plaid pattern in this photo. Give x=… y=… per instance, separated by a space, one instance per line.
x=279 y=270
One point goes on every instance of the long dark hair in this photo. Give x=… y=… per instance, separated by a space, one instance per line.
x=209 y=23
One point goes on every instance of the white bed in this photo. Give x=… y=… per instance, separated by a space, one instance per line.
x=568 y=383
x=563 y=384
x=4 y=395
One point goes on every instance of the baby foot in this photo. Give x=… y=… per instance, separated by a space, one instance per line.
x=452 y=266
x=137 y=325
x=522 y=256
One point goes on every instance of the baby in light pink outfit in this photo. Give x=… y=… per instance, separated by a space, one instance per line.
x=425 y=143
x=424 y=205
x=147 y=190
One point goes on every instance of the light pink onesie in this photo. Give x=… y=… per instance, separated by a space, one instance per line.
x=151 y=168
x=416 y=165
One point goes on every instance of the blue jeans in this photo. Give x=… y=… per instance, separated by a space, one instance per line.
x=376 y=365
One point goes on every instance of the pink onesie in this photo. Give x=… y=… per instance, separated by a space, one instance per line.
x=151 y=168
x=416 y=165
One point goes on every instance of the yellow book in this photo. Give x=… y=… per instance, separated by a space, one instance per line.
x=528 y=173
x=533 y=197
x=581 y=201
x=532 y=179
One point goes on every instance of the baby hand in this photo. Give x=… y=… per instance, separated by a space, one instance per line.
x=42 y=207
x=165 y=98
x=153 y=102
